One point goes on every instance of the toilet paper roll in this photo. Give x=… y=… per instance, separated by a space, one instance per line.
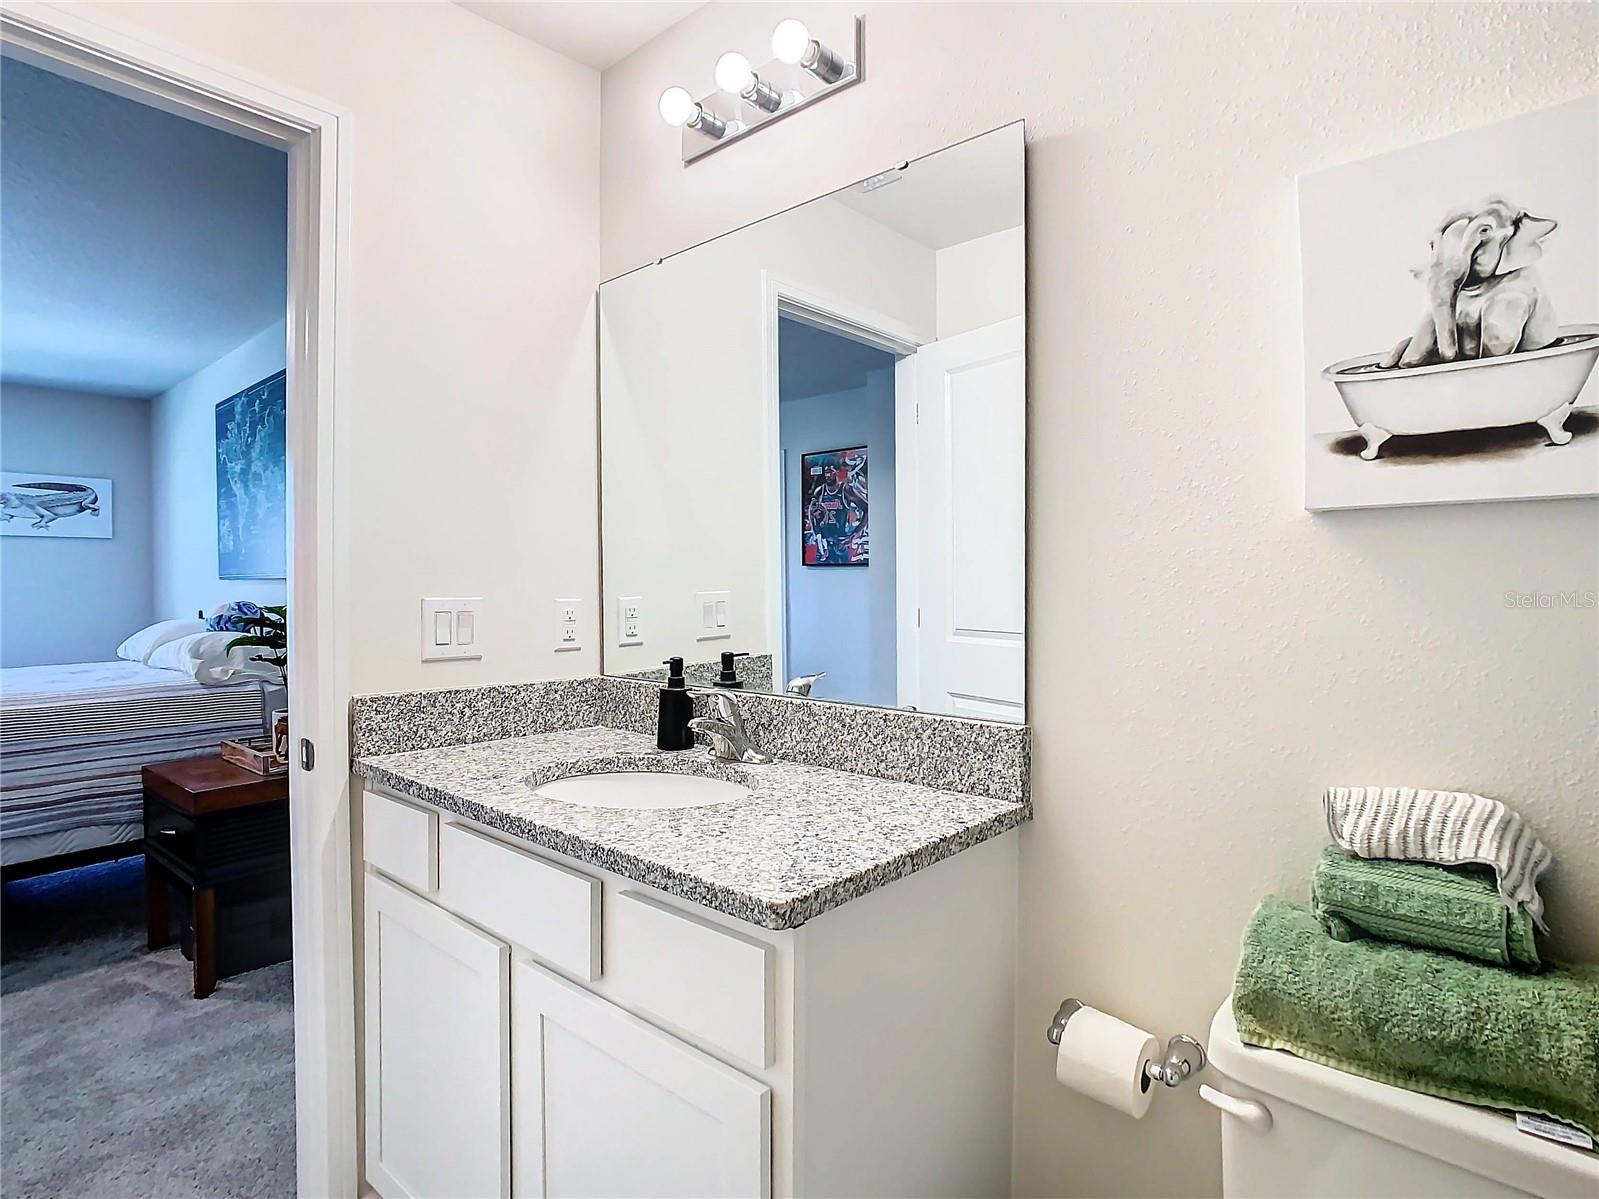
x=1103 y=1057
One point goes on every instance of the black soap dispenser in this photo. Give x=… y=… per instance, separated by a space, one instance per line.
x=677 y=709
x=729 y=677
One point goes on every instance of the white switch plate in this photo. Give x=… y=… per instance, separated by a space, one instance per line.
x=568 y=613
x=444 y=613
x=630 y=620
x=715 y=609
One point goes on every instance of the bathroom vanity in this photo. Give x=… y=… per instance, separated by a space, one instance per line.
x=727 y=999
x=593 y=968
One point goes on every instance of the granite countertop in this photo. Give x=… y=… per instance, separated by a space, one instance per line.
x=806 y=840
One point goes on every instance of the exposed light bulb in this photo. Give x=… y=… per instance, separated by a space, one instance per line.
x=734 y=74
x=790 y=40
x=677 y=106
x=736 y=77
x=793 y=44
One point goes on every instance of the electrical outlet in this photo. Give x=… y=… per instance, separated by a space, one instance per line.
x=630 y=620
x=567 y=636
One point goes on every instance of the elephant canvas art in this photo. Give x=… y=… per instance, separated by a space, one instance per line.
x=1451 y=309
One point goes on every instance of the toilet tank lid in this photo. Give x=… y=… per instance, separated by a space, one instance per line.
x=1474 y=1138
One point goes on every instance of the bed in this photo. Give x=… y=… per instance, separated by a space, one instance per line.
x=72 y=740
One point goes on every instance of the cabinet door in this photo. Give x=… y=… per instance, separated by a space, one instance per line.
x=438 y=1023
x=608 y=1105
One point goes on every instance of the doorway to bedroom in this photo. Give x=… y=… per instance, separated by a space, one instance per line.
x=146 y=929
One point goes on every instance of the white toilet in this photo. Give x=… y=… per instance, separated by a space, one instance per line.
x=1301 y=1129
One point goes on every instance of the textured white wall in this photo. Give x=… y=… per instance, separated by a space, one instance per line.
x=183 y=479
x=1205 y=656
x=474 y=254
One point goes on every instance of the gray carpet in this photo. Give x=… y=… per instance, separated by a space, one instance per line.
x=114 y=1082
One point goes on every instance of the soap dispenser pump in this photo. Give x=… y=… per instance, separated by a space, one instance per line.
x=677 y=709
x=729 y=676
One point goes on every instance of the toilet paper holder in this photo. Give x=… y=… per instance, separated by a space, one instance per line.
x=1185 y=1056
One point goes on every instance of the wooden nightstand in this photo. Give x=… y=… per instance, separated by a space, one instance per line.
x=220 y=833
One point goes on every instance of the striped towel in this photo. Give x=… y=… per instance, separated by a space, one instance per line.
x=1449 y=828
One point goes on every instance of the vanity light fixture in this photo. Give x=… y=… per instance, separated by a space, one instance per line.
x=793 y=44
x=682 y=110
x=805 y=70
x=736 y=77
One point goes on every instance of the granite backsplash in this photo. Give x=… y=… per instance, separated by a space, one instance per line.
x=946 y=753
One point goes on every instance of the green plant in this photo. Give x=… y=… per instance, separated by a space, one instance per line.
x=268 y=631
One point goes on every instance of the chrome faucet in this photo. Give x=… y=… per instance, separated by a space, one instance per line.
x=730 y=740
x=801 y=684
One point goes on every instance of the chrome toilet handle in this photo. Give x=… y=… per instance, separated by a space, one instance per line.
x=1255 y=1115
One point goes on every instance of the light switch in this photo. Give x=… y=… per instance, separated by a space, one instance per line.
x=716 y=614
x=449 y=627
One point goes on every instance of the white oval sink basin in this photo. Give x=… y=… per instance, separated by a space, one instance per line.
x=641 y=789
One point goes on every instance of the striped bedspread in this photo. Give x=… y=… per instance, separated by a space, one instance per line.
x=72 y=738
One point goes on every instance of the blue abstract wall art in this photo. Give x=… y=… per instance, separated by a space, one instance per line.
x=252 y=483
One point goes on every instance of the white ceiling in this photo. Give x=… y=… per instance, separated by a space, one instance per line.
x=138 y=246
x=968 y=190
x=599 y=34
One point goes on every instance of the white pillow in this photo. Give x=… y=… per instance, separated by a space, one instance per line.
x=204 y=657
x=137 y=648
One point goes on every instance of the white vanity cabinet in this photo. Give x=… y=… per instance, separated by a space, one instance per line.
x=438 y=1050
x=607 y=1104
x=536 y=1026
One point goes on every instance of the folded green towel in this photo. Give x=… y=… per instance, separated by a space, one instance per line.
x=1426 y=1021
x=1435 y=907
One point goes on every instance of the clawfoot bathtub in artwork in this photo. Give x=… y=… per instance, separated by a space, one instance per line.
x=1489 y=352
x=1532 y=387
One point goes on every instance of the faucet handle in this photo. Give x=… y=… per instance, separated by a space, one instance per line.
x=801 y=684
x=730 y=739
x=727 y=709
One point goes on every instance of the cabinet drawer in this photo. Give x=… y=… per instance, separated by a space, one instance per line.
x=400 y=839
x=169 y=830
x=707 y=980
x=548 y=909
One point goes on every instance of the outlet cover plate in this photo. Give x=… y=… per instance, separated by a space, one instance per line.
x=568 y=625
x=630 y=620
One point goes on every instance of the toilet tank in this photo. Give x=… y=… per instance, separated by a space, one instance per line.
x=1335 y=1135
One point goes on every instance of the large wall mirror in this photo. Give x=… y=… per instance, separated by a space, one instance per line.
x=813 y=445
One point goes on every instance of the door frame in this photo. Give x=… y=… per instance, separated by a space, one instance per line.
x=780 y=297
x=128 y=61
